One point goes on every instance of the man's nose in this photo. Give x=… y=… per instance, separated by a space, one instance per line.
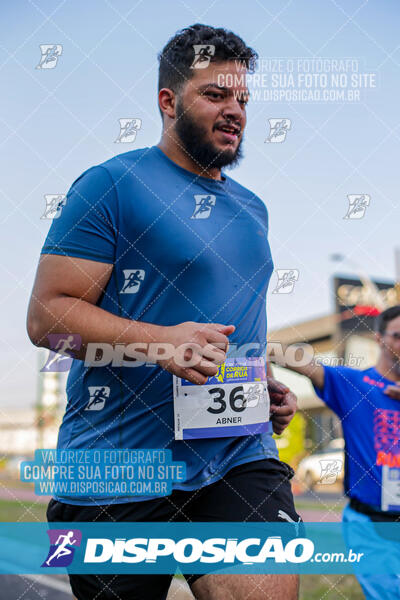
x=232 y=111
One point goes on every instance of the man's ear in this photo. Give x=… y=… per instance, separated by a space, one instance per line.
x=379 y=339
x=167 y=102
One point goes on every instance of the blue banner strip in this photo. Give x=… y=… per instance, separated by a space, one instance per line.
x=199 y=548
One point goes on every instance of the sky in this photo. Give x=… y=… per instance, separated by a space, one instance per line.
x=55 y=123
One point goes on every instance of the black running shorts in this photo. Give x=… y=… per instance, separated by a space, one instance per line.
x=255 y=491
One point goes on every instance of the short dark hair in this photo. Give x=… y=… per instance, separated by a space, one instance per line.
x=387 y=315
x=177 y=56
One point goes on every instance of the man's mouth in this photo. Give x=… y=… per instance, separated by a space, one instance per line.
x=230 y=132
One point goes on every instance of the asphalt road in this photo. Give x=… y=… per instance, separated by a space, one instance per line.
x=56 y=587
x=34 y=587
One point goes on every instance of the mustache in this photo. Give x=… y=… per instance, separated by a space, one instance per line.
x=234 y=124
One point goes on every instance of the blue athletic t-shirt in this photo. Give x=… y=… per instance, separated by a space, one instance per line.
x=371 y=429
x=184 y=248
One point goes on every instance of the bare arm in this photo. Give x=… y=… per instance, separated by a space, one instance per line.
x=305 y=365
x=64 y=298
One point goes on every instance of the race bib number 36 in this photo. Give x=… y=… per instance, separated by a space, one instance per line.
x=234 y=402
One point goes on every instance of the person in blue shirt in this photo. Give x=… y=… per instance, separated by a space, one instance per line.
x=159 y=246
x=368 y=405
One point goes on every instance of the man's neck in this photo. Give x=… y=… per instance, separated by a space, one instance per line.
x=175 y=153
x=386 y=369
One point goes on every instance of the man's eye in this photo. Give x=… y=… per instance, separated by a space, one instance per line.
x=214 y=95
x=243 y=100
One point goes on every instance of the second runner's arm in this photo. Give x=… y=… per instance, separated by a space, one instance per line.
x=308 y=366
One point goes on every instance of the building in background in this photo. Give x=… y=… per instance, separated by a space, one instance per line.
x=22 y=431
x=50 y=403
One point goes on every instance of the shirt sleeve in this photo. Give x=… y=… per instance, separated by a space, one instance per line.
x=87 y=226
x=337 y=390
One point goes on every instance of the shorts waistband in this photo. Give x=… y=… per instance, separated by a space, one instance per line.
x=372 y=511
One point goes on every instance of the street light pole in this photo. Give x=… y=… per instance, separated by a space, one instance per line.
x=397 y=271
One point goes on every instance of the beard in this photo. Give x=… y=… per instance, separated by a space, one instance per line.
x=193 y=138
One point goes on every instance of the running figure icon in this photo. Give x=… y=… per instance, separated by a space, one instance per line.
x=98 y=397
x=204 y=204
x=61 y=350
x=62 y=550
x=133 y=279
x=203 y=55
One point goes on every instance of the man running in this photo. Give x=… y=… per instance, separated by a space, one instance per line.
x=367 y=403
x=203 y=279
